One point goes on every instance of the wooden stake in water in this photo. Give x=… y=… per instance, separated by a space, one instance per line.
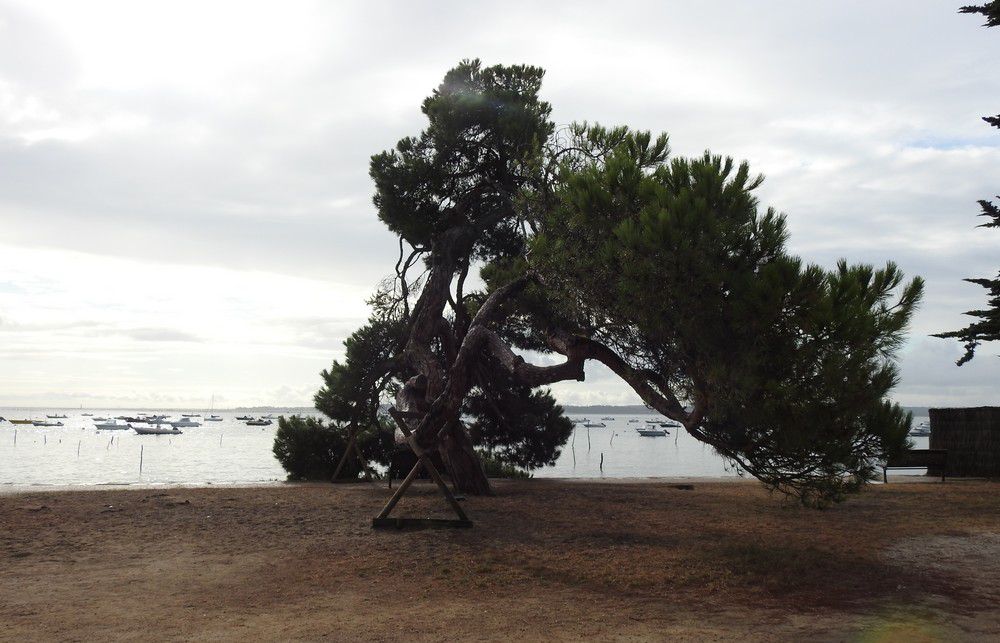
x=602 y=463
x=15 y=437
x=588 y=439
x=220 y=439
x=78 y=443
x=140 y=458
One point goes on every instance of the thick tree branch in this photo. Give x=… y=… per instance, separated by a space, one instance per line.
x=530 y=374
x=575 y=346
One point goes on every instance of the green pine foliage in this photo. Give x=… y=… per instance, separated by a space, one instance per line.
x=515 y=424
x=309 y=449
x=989 y=10
x=986 y=328
x=674 y=264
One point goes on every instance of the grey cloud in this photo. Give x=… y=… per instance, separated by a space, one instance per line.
x=320 y=333
x=160 y=335
x=90 y=328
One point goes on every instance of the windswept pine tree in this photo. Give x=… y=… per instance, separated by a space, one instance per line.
x=986 y=328
x=594 y=244
x=989 y=10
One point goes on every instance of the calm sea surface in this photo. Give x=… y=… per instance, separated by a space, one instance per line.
x=229 y=452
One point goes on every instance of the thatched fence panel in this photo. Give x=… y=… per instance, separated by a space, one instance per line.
x=972 y=438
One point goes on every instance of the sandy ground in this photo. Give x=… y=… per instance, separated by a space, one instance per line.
x=547 y=560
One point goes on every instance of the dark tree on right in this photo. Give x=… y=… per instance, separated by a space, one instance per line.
x=986 y=327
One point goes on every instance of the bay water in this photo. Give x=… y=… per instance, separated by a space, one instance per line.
x=230 y=452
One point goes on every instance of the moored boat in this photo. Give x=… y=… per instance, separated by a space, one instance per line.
x=46 y=423
x=213 y=418
x=56 y=417
x=20 y=421
x=595 y=425
x=156 y=430
x=113 y=425
x=260 y=422
x=184 y=422
x=653 y=433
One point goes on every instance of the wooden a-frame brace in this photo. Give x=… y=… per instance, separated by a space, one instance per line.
x=352 y=446
x=423 y=460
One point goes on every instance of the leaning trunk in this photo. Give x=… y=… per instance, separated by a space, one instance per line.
x=463 y=462
x=452 y=442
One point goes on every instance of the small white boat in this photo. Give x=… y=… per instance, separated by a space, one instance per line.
x=100 y=419
x=155 y=430
x=653 y=433
x=56 y=417
x=595 y=425
x=190 y=415
x=267 y=417
x=607 y=418
x=184 y=422
x=46 y=423
x=260 y=422
x=87 y=415
x=113 y=425
x=214 y=418
x=633 y=421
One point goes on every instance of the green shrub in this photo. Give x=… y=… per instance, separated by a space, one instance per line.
x=497 y=468
x=308 y=449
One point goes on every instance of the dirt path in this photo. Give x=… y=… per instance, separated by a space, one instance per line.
x=547 y=560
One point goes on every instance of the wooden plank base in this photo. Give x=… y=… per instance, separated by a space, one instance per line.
x=419 y=523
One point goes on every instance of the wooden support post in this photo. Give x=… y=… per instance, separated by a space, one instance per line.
x=400 y=490
x=362 y=462
x=436 y=477
x=352 y=433
x=423 y=460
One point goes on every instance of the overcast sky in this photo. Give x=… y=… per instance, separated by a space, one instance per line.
x=185 y=207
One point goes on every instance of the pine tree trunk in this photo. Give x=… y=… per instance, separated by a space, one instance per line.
x=463 y=462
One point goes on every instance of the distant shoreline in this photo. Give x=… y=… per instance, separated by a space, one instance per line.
x=626 y=409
